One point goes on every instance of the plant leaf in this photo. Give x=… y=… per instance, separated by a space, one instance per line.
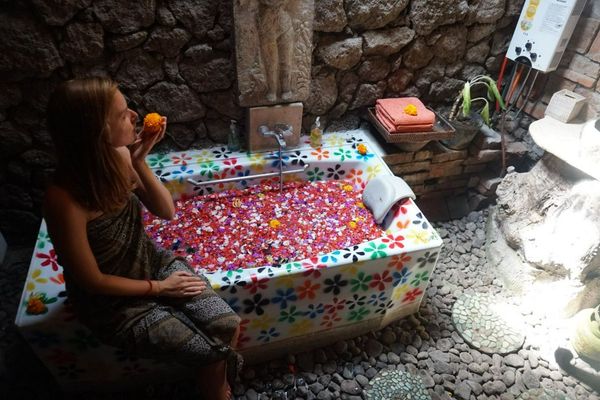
x=497 y=94
x=490 y=93
x=466 y=94
x=493 y=92
x=485 y=113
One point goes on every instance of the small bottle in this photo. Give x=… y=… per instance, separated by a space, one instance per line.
x=316 y=134
x=233 y=139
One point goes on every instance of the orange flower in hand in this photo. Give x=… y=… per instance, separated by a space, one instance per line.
x=152 y=123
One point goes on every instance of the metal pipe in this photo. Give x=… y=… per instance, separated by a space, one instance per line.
x=513 y=86
x=241 y=178
x=510 y=81
x=499 y=81
x=519 y=91
x=528 y=93
x=280 y=171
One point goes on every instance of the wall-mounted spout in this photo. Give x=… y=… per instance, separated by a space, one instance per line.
x=279 y=132
x=283 y=120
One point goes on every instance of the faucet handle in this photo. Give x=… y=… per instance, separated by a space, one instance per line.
x=263 y=130
x=284 y=129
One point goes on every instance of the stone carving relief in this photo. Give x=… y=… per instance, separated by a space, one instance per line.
x=273 y=50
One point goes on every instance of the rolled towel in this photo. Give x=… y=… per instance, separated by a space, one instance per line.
x=394 y=110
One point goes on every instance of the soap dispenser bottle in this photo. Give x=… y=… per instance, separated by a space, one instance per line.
x=233 y=139
x=316 y=134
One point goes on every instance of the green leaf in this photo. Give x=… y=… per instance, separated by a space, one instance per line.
x=497 y=94
x=466 y=94
x=485 y=113
x=493 y=93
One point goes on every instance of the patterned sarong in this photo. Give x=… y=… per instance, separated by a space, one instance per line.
x=193 y=331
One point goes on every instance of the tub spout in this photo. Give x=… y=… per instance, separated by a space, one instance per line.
x=278 y=135
x=279 y=132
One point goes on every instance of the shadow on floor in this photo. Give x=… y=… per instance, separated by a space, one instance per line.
x=564 y=357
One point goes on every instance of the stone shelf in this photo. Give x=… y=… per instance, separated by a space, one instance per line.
x=575 y=143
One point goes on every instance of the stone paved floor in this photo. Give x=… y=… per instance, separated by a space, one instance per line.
x=425 y=345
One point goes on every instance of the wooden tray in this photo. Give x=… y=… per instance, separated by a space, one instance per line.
x=441 y=130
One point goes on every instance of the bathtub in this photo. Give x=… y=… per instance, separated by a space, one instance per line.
x=285 y=308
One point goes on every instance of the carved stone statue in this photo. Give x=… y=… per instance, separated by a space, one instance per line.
x=276 y=47
x=273 y=50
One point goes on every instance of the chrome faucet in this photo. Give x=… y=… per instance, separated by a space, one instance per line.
x=279 y=132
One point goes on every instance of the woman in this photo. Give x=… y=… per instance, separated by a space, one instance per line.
x=128 y=291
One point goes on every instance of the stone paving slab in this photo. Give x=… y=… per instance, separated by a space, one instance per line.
x=397 y=385
x=485 y=325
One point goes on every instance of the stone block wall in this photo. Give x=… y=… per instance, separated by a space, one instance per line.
x=438 y=174
x=176 y=57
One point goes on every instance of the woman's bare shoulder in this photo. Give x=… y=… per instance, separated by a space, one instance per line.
x=58 y=202
x=55 y=195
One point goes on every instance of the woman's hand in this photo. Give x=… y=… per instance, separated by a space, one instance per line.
x=146 y=141
x=182 y=284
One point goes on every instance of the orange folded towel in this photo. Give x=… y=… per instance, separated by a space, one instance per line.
x=401 y=128
x=393 y=109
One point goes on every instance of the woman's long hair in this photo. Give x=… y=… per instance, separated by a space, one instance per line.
x=88 y=166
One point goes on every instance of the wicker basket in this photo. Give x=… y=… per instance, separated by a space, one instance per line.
x=413 y=141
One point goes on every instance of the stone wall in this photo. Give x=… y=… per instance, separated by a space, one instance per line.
x=451 y=183
x=176 y=57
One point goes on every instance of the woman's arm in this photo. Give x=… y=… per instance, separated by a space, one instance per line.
x=67 y=223
x=150 y=190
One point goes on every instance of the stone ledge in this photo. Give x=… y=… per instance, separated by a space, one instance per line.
x=443 y=153
x=423 y=155
x=398 y=158
x=574 y=143
x=448 y=168
x=410 y=167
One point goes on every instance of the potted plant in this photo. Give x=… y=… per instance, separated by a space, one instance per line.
x=474 y=111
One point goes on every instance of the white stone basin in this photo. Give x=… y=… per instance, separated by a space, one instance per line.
x=575 y=143
x=590 y=140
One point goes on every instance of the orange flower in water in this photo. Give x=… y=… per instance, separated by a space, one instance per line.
x=362 y=149
x=274 y=223
x=36 y=306
x=152 y=123
x=352 y=224
x=410 y=109
x=347 y=188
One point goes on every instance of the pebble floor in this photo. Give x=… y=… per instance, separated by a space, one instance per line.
x=424 y=345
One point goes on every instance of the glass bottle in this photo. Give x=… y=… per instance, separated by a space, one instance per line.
x=233 y=139
x=316 y=134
